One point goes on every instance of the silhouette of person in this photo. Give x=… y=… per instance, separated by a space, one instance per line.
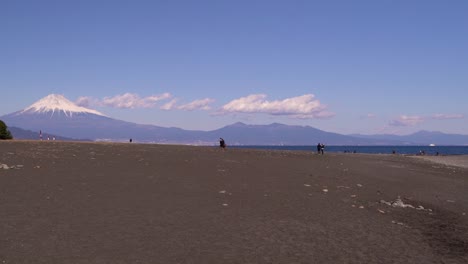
x=319 y=147
x=222 y=144
x=322 y=147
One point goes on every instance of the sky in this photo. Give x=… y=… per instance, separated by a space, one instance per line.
x=368 y=67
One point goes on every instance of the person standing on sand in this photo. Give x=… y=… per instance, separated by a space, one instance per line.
x=319 y=147
x=322 y=147
x=222 y=144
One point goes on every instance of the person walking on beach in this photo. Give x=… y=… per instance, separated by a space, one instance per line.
x=222 y=144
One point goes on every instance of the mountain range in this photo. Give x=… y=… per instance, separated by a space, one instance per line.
x=56 y=115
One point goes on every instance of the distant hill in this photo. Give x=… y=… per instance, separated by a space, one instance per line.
x=56 y=114
x=64 y=119
x=19 y=133
x=422 y=138
x=280 y=134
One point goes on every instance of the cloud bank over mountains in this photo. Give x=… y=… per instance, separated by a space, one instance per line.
x=406 y=120
x=127 y=100
x=304 y=106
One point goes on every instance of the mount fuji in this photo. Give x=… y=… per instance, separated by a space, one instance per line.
x=58 y=115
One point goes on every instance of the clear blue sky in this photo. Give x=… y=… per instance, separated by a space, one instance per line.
x=341 y=66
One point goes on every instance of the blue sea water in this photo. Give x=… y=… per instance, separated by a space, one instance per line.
x=428 y=150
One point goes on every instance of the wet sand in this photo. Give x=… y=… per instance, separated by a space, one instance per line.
x=67 y=202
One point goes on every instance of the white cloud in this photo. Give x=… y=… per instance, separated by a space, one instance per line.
x=448 y=116
x=84 y=101
x=169 y=105
x=202 y=104
x=305 y=106
x=129 y=100
x=405 y=120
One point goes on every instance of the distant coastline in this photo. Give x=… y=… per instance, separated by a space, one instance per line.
x=407 y=150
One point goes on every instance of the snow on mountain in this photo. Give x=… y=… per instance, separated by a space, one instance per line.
x=59 y=116
x=58 y=103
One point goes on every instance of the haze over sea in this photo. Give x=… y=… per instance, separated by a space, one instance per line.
x=411 y=150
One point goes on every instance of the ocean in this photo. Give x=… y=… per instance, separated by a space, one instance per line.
x=428 y=150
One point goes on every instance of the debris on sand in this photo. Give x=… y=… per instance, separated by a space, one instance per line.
x=307 y=185
x=399 y=203
x=325 y=190
x=342 y=186
x=359 y=185
x=223 y=191
x=6 y=167
x=399 y=223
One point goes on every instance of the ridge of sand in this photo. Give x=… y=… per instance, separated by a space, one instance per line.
x=450 y=160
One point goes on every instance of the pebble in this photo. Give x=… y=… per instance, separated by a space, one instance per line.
x=225 y=204
x=359 y=185
x=325 y=190
x=398 y=223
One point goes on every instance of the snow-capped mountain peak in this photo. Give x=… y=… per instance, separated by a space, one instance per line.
x=58 y=103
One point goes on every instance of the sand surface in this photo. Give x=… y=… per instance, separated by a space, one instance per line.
x=66 y=202
x=453 y=160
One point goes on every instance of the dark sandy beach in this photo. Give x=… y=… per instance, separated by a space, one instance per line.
x=66 y=202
